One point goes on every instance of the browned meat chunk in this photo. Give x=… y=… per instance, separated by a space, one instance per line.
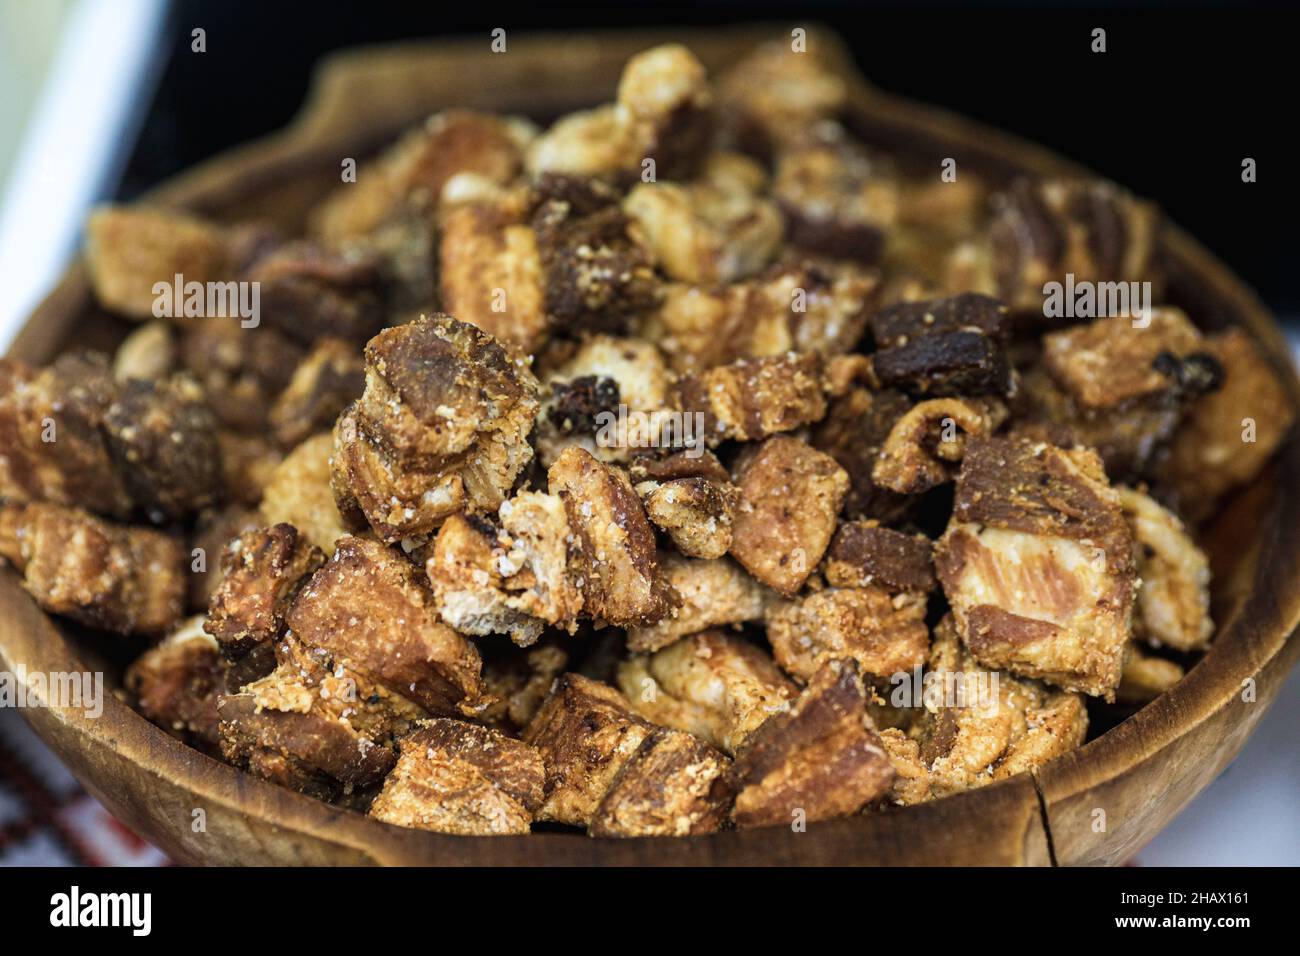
x=752 y=399
x=985 y=726
x=837 y=200
x=1038 y=564
x=1229 y=435
x=942 y=347
x=175 y=684
x=791 y=494
x=130 y=248
x=586 y=734
x=697 y=513
x=325 y=381
x=713 y=593
x=715 y=685
x=863 y=554
x=853 y=432
x=309 y=292
x=367 y=608
x=119 y=578
x=884 y=633
x=247 y=464
x=818 y=760
x=163 y=437
x=454 y=777
x=262 y=572
x=615 y=566
x=241 y=370
x=52 y=445
x=674 y=785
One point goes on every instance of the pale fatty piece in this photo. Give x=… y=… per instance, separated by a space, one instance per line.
x=586 y=733
x=884 y=633
x=863 y=554
x=262 y=572
x=367 y=608
x=1173 y=603
x=715 y=685
x=791 y=497
x=130 y=248
x=1145 y=676
x=454 y=777
x=328 y=378
x=977 y=726
x=298 y=492
x=674 y=785
x=1038 y=564
x=697 y=513
x=751 y=399
x=52 y=442
x=615 y=564
x=148 y=353
x=176 y=682
x=119 y=578
x=819 y=760
x=922 y=449
x=511 y=577
x=163 y=438
x=714 y=592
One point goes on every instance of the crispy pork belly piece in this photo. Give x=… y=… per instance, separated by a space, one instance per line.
x=52 y=443
x=519 y=683
x=1145 y=676
x=586 y=391
x=863 y=554
x=856 y=426
x=984 y=726
x=926 y=443
x=454 y=777
x=715 y=685
x=1173 y=603
x=416 y=171
x=707 y=230
x=790 y=498
x=775 y=97
x=713 y=593
x=163 y=437
x=491 y=274
x=674 y=785
x=299 y=493
x=214 y=529
x=819 y=760
x=367 y=608
x=1038 y=564
x=443 y=425
x=119 y=578
x=798 y=307
x=129 y=248
x=753 y=398
x=148 y=353
x=241 y=370
x=1041 y=231
x=663 y=113
x=697 y=513
x=507 y=578
x=1227 y=436
x=665 y=101
x=314 y=725
x=310 y=292
x=586 y=733
x=262 y=572
x=175 y=683
x=884 y=633
x=615 y=563
x=943 y=347
x=324 y=383
x=837 y=200
x=595 y=275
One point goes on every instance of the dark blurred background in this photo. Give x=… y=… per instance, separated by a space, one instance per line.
x=1182 y=94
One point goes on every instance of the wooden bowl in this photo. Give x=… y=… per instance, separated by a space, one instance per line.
x=1140 y=773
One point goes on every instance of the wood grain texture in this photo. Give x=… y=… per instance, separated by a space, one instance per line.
x=1141 y=773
